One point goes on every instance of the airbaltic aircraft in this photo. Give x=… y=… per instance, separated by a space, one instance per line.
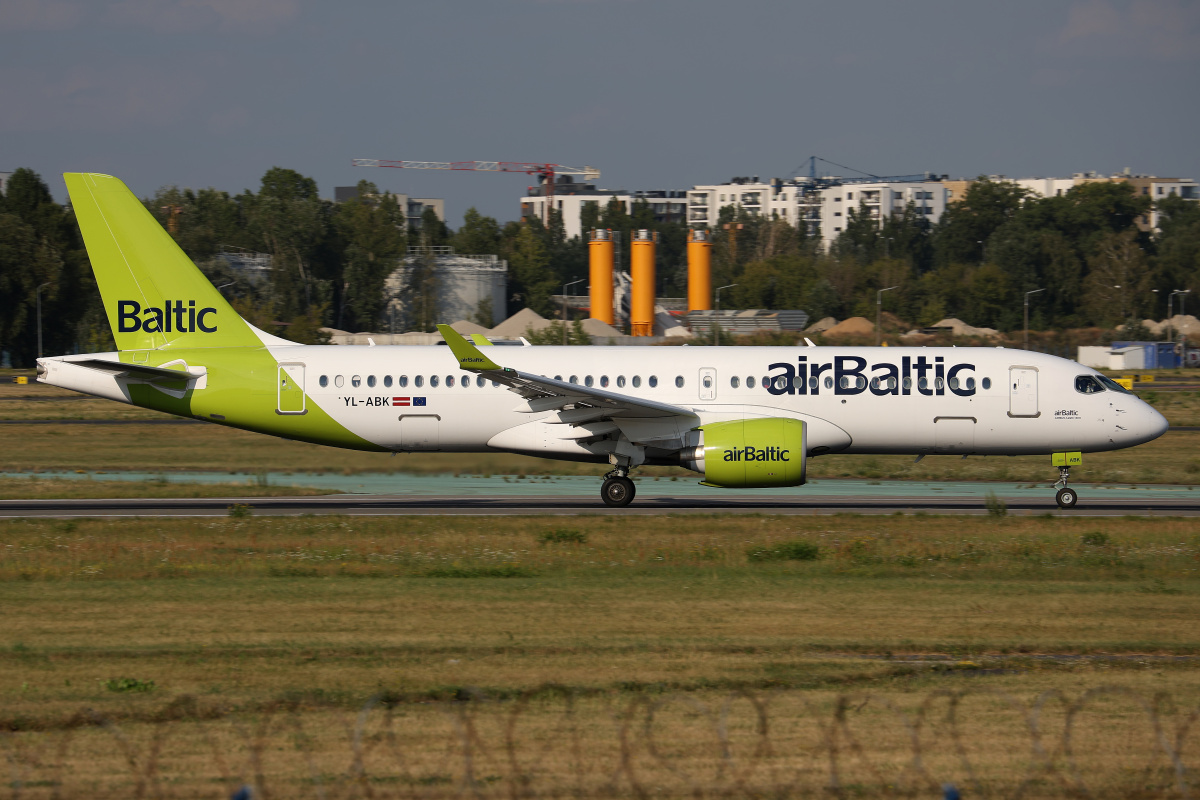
x=739 y=416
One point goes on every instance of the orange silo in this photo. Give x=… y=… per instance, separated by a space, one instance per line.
x=641 y=274
x=699 y=253
x=600 y=271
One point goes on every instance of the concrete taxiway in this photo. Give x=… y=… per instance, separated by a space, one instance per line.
x=730 y=503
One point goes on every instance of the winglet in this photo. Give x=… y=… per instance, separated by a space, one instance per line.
x=468 y=355
x=481 y=340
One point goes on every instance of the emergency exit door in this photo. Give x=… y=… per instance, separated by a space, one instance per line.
x=708 y=383
x=1022 y=392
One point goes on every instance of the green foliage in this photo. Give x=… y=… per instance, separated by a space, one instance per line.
x=995 y=506
x=128 y=685
x=1095 y=539
x=553 y=334
x=562 y=536
x=239 y=511
x=799 y=550
x=471 y=571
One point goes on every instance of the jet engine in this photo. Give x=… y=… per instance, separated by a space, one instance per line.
x=749 y=453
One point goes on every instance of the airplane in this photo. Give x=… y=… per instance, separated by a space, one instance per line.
x=740 y=417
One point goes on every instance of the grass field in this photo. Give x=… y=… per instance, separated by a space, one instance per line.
x=213 y=638
x=34 y=487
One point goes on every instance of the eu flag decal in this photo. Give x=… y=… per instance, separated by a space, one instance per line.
x=418 y=401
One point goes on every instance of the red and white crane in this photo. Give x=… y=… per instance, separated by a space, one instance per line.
x=546 y=172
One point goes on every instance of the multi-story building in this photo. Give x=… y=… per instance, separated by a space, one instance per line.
x=570 y=199
x=4 y=176
x=794 y=200
x=880 y=201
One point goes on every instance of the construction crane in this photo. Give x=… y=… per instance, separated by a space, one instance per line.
x=867 y=176
x=545 y=172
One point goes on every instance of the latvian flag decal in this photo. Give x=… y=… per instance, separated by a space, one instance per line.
x=408 y=401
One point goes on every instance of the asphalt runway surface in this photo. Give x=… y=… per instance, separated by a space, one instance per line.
x=550 y=505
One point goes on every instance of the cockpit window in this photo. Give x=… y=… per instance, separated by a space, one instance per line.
x=1112 y=385
x=1087 y=384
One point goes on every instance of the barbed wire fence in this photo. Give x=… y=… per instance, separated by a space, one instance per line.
x=554 y=741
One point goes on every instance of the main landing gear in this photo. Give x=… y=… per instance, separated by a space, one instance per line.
x=1066 y=498
x=617 y=490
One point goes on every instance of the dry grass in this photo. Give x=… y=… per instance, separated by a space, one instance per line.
x=263 y=637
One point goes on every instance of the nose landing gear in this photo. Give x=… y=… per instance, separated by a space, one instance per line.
x=1066 y=498
x=617 y=490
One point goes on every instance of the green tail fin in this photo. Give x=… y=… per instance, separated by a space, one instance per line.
x=154 y=295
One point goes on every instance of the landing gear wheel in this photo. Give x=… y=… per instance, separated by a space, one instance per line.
x=617 y=491
x=1067 y=498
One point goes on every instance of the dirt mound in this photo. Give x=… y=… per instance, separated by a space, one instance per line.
x=822 y=325
x=518 y=323
x=855 y=326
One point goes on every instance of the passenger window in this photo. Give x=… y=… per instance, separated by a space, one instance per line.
x=987 y=383
x=908 y=384
x=953 y=383
x=419 y=381
x=750 y=382
x=480 y=381
x=603 y=381
x=844 y=382
x=813 y=385
x=970 y=384
x=679 y=382
x=433 y=381
x=923 y=383
x=708 y=381
x=558 y=377
x=356 y=381
x=387 y=380
x=324 y=381
x=449 y=380
x=404 y=381
x=337 y=381
x=637 y=381
x=371 y=381
x=828 y=382
x=620 y=381
x=588 y=381
x=652 y=381
x=735 y=382
x=573 y=379
x=781 y=383
x=938 y=384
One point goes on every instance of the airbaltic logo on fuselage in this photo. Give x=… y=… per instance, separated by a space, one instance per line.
x=848 y=375
x=174 y=316
x=761 y=454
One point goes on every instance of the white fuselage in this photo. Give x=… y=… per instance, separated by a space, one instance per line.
x=854 y=400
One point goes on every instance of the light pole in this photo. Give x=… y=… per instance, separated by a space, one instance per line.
x=565 y=287
x=879 y=313
x=1170 y=298
x=38 y=295
x=1032 y=291
x=717 y=317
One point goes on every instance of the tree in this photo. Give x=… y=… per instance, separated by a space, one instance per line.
x=966 y=226
x=289 y=221
x=1118 y=280
x=479 y=235
x=371 y=228
x=530 y=277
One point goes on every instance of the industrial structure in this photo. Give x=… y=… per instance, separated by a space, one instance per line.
x=441 y=284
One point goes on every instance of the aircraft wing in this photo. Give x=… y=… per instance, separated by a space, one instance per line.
x=546 y=394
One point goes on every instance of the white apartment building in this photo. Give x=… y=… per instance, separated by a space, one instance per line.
x=570 y=199
x=791 y=200
x=4 y=176
x=879 y=200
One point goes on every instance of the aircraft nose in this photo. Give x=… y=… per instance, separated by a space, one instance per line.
x=1153 y=424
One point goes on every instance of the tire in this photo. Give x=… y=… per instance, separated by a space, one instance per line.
x=617 y=492
x=1066 y=498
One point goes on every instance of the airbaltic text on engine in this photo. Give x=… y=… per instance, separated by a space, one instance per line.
x=751 y=454
x=174 y=316
x=805 y=377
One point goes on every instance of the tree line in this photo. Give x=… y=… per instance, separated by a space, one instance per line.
x=330 y=261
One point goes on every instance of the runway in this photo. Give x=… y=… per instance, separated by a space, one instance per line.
x=551 y=505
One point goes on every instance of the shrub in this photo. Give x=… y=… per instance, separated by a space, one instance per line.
x=125 y=685
x=798 y=550
x=995 y=506
x=562 y=535
x=239 y=511
x=1095 y=539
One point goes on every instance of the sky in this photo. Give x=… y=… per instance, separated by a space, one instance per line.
x=657 y=94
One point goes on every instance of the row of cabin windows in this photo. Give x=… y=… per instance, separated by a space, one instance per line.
x=845 y=382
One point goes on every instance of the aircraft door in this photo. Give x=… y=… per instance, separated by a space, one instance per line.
x=1022 y=392
x=290 y=389
x=708 y=383
x=419 y=432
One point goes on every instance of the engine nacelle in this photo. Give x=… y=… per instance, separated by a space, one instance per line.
x=750 y=454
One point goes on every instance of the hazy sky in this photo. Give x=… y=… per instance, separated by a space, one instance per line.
x=655 y=93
